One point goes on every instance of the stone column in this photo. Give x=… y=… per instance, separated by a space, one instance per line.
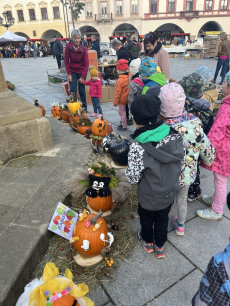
x=23 y=129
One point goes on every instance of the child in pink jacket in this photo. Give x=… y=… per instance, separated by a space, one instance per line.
x=219 y=136
x=95 y=92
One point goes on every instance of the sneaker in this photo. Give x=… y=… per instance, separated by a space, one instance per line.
x=221 y=83
x=99 y=116
x=178 y=228
x=214 y=82
x=93 y=115
x=206 y=199
x=121 y=128
x=160 y=253
x=147 y=246
x=193 y=197
x=209 y=214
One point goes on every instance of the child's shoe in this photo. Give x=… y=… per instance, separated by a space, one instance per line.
x=147 y=246
x=194 y=196
x=121 y=128
x=99 y=116
x=178 y=228
x=93 y=115
x=206 y=199
x=160 y=253
x=209 y=214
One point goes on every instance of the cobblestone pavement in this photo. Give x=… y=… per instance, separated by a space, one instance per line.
x=142 y=279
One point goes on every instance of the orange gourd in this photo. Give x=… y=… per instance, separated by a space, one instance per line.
x=42 y=109
x=101 y=127
x=83 y=124
x=104 y=204
x=56 y=112
x=84 y=230
x=65 y=115
x=65 y=300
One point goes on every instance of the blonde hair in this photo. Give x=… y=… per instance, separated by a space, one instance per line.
x=223 y=36
x=133 y=37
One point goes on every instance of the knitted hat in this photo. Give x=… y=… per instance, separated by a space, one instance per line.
x=122 y=65
x=134 y=66
x=228 y=77
x=193 y=85
x=146 y=108
x=93 y=72
x=206 y=73
x=148 y=66
x=172 y=100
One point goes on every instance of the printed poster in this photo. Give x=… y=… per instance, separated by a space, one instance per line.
x=63 y=221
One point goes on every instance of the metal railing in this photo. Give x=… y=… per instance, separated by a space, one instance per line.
x=103 y=17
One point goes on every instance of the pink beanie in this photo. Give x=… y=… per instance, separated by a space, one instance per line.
x=172 y=100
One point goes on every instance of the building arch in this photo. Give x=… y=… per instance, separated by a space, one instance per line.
x=88 y=31
x=22 y=34
x=125 y=28
x=210 y=26
x=49 y=33
x=165 y=30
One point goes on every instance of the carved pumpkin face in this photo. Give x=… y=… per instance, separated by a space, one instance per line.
x=56 y=112
x=101 y=127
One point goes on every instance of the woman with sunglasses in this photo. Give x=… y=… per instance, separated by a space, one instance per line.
x=153 y=48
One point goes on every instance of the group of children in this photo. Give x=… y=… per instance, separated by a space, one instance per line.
x=175 y=133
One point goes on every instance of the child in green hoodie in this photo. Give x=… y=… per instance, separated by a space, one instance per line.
x=154 y=156
x=151 y=73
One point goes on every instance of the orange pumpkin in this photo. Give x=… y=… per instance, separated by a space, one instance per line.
x=83 y=124
x=56 y=112
x=65 y=115
x=74 y=118
x=98 y=203
x=65 y=300
x=85 y=231
x=101 y=127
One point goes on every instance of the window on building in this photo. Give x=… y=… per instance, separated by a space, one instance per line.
x=208 y=5
x=8 y=14
x=171 y=6
x=56 y=12
x=20 y=15
x=88 y=9
x=44 y=13
x=189 y=6
x=153 y=6
x=32 y=14
x=224 y=5
x=134 y=6
x=119 y=7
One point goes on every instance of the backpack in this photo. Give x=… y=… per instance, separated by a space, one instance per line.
x=135 y=48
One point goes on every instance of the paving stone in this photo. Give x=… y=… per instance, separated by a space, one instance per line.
x=202 y=240
x=180 y=294
x=98 y=296
x=146 y=276
x=7 y=214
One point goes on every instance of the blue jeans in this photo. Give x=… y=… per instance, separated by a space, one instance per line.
x=220 y=63
x=73 y=88
x=96 y=105
x=34 y=54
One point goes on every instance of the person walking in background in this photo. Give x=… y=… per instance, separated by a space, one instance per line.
x=27 y=50
x=182 y=39
x=86 y=42
x=58 y=51
x=122 y=52
x=223 y=57
x=96 y=46
x=22 y=49
x=95 y=92
x=51 y=46
x=134 y=47
x=77 y=65
x=34 y=49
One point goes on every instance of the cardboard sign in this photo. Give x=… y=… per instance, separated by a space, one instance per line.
x=63 y=221
x=92 y=54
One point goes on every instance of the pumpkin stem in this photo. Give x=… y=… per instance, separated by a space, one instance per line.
x=95 y=218
x=118 y=140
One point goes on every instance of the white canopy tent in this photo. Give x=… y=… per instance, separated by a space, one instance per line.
x=9 y=36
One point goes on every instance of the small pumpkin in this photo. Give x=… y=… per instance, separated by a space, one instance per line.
x=83 y=124
x=73 y=107
x=39 y=106
x=90 y=241
x=74 y=118
x=119 y=150
x=104 y=204
x=65 y=113
x=101 y=127
x=65 y=300
x=56 y=112
x=108 y=139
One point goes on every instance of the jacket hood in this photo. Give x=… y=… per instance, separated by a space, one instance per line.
x=212 y=93
x=159 y=78
x=167 y=153
x=200 y=103
x=138 y=81
x=226 y=100
x=155 y=135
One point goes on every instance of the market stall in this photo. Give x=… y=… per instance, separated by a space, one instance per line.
x=41 y=42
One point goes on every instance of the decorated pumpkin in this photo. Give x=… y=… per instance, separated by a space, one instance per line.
x=56 y=112
x=90 y=234
x=99 y=196
x=83 y=124
x=74 y=118
x=101 y=127
x=42 y=108
x=65 y=113
x=65 y=300
x=119 y=150
x=107 y=140
x=73 y=107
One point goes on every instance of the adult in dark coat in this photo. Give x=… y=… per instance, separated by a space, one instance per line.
x=96 y=46
x=58 y=50
x=122 y=52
